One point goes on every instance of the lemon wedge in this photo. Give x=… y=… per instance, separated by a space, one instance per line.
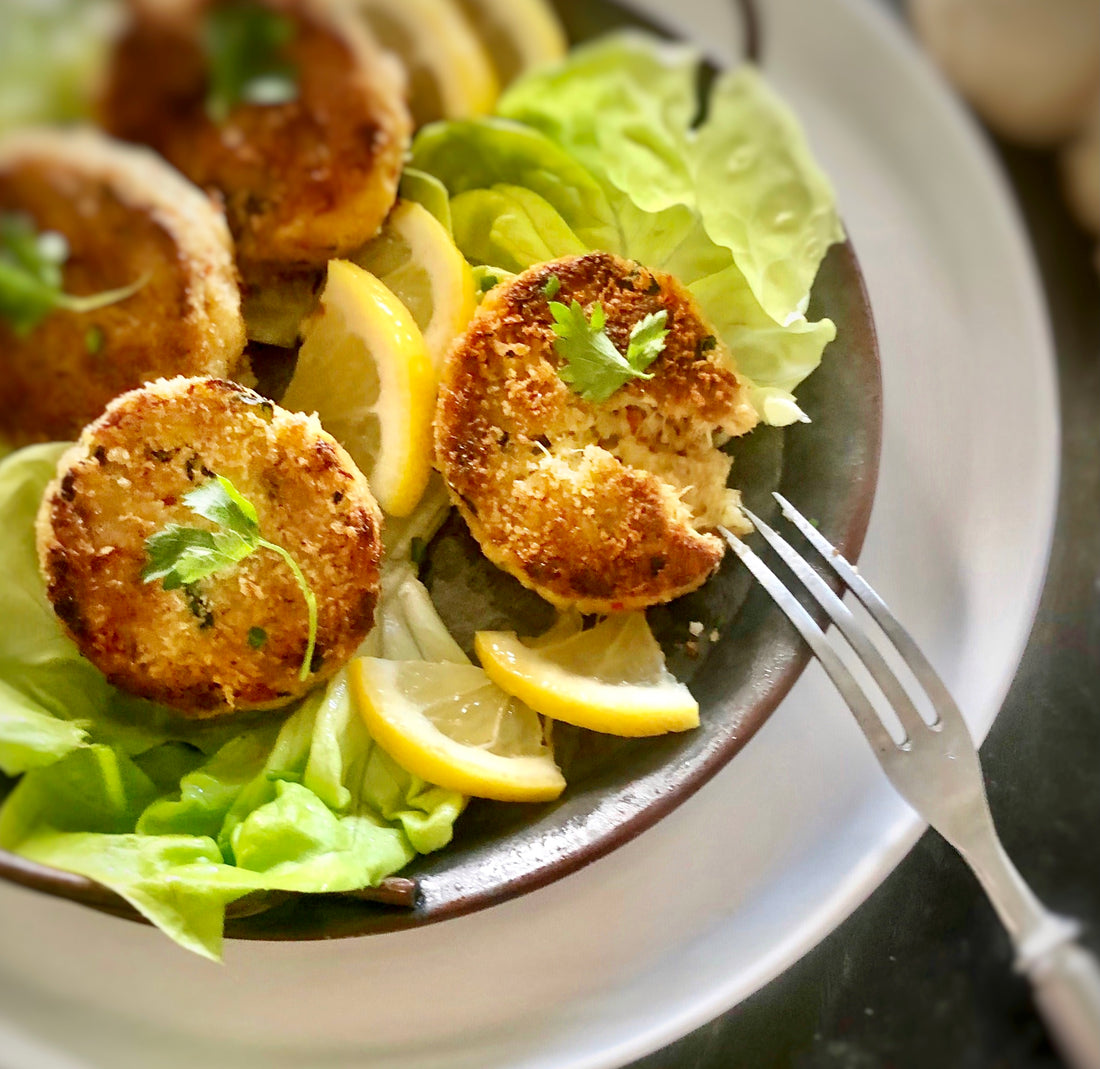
x=364 y=369
x=449 y=74
x=611 y=678
x=414 y=256
x=517 y=34
x=450 y=725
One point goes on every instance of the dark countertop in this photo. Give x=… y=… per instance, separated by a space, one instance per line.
x=920 y=976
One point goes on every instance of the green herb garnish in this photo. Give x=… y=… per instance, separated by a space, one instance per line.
x=257 y=638
x=594 y=368
x=552 y=287
x=93 y=340
x=244 y=44
x=30 y=276
x=180 y=555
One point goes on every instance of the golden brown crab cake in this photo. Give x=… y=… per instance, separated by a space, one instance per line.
x=304 y=180
x=126 y=217
x=237 y=638
x=602 y=507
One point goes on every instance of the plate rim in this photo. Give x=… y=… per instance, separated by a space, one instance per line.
x=650 y=1032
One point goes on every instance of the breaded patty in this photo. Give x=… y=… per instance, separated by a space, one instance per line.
x=303 y=181
x=126 y=216
x=235 y=639
x=601 y=507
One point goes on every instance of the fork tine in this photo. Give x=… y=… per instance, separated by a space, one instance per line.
x=945 y=706
x=845 y=682
x=838 y=612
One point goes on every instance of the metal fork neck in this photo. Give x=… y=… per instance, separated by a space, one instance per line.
x=1033 y=929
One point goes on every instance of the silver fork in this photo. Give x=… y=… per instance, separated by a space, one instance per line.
x=936 y=770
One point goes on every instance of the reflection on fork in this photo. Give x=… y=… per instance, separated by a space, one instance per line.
x=935 y=768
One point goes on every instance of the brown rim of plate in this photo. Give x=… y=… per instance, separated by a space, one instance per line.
x=400 y=902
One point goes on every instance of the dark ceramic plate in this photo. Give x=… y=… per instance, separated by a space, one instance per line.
x=617 y=787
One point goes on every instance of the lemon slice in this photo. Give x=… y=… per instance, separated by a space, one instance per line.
x=517 y=34
x=611 y=678
x=449 y=73
x=450 y=725
x=364 y=369
x=414 y=256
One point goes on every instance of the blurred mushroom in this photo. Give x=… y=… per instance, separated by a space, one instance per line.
x=1080 y=162
x=1031 y=68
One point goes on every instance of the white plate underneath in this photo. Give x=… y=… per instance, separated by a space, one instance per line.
x=718 y=898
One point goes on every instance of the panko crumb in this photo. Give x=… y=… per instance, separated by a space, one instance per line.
x=598 y=507
x=236 y=639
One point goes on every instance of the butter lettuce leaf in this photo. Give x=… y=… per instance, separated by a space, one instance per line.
x=622 y=106
x=177 y=882
x=761 y=194
x=51 y=57
x=511 y=227
x=774 y=358
x=483 y=153
x=625 y=107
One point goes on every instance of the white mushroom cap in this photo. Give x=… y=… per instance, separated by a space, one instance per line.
x=1031 y=68
x=1080 y=163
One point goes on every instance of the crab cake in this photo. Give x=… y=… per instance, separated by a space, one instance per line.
x=127 y=217
x=602 y=507
x=237 y=638
x=303 y=180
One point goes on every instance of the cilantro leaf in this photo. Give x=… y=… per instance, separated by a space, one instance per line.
x=219 y=501
x=647 y=340
x=594 y=367
x=179 y=556
x=244 y=43
x=30 y=276
x=182 y=555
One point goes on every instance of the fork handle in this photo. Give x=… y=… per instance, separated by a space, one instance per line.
x=1066 y=982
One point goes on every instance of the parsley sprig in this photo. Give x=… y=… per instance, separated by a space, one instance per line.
x=245 y=45
x=30 y=276
x=594 y=367
x=179 y=556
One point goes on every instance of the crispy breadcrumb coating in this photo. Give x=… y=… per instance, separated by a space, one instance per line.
x=303 y=181
x=126 y=216
x=236 y=639
x=601 y=507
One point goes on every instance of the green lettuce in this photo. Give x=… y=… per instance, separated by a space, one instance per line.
x=734 y=206
x=623 y=107
x=761 y=195
x=179 y=817
x=511 y=227
x=51 y=55
x=485 y=153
